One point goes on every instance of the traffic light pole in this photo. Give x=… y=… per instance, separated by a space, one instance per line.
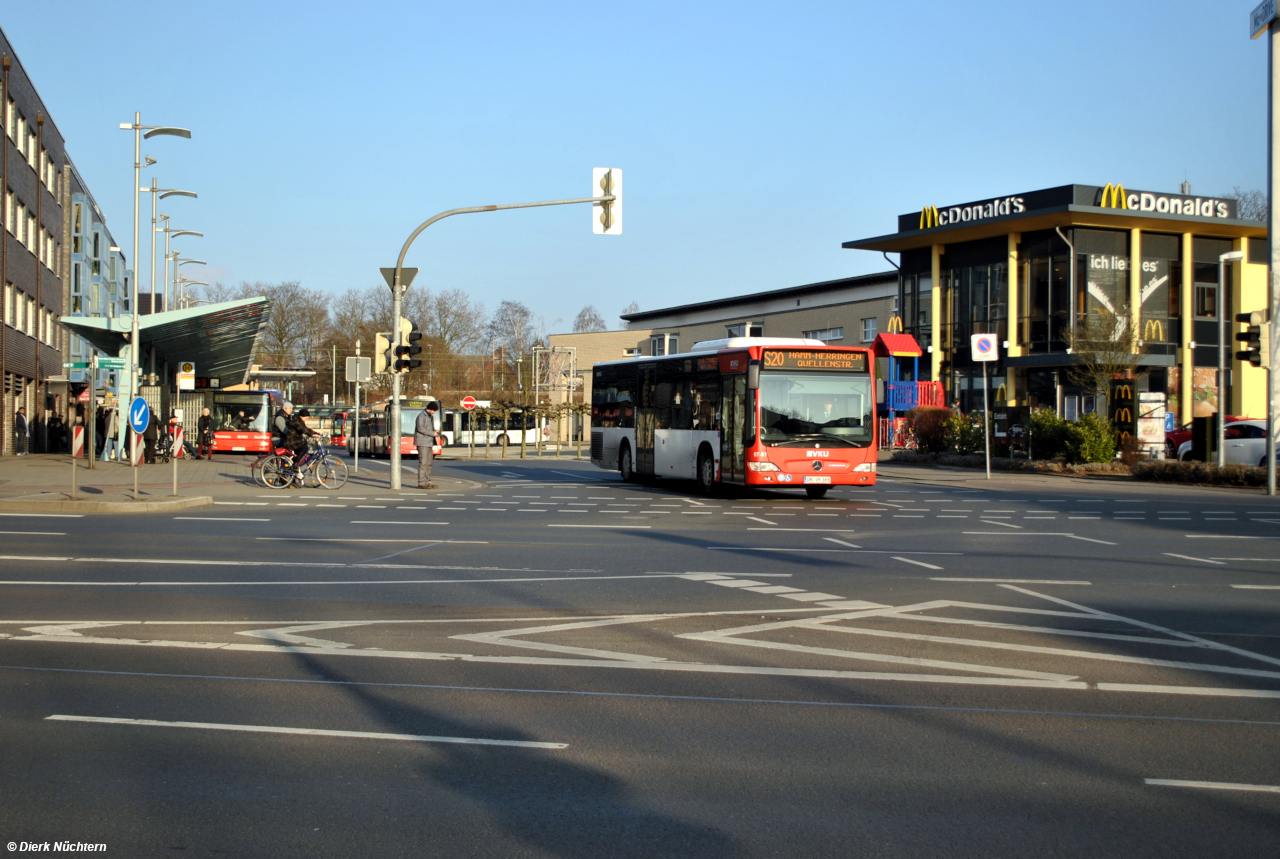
x=1272 y=361
x=397 y=298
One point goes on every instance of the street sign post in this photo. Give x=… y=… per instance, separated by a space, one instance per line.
x=986 y=350
x=75 y=365
x=359 y=369
x=186 y=376
x=139 y=417
x=105 y=363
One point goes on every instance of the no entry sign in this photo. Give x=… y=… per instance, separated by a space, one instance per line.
x=468 y=403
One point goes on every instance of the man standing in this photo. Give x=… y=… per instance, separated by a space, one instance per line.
x=205 y=429
x=424 y=436
x=20 y=429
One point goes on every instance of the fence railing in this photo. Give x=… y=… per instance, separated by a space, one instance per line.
x=903 y=396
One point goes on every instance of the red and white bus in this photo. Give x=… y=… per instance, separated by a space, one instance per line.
x=375 y=421
x=241 y=421
x=753 y=411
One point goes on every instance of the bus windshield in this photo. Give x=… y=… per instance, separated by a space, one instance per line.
x=247 y=416
x=816 y=408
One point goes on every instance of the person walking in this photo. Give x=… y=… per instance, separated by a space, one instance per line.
x=20 y=427
x=99 y=432
x=424 y=436
x=109 y=440
x=150 y=436
x=57 y=433
x=204 y=427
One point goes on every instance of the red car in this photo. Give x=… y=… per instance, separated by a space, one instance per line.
x=1174 y=439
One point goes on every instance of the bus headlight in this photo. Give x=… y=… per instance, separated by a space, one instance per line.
x=865 y=466
x=762 y=466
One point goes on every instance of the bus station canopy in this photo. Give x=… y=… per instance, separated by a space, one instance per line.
x=217 y=338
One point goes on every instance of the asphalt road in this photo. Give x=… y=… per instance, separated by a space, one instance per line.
x=553 y=663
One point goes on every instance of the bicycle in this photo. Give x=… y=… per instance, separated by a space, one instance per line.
x=317 y=467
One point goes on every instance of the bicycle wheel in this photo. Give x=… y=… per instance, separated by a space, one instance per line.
x=255 y=470
x=331 y=472
x=277 y=473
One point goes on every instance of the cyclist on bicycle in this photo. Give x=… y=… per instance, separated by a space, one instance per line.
x=296 y=434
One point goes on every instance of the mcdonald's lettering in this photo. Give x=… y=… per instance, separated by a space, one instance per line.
x=895 y=325
x=1113 y=197
x=1153 y=330
x=1122 y=392
x=932 y=216
x=1124 y=416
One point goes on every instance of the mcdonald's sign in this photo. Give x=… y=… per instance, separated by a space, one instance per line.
x=1124 y=415
x=1122 y=392
x=928 y=217
x=1153 y=330
x=1113 y=197
x=895 y=325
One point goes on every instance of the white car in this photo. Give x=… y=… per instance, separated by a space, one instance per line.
x=1246 y=443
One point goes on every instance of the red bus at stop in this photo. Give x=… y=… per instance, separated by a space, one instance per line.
x=752 y=411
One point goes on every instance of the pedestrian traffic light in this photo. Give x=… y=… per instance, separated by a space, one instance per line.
x=382 y=357
x=1256 y=338
x=606 y=216
x=407 y=346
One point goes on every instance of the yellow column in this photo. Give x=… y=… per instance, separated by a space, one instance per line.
x=935 y=314
x=1011 y=381
x=1135 y=282
x=1187 y=358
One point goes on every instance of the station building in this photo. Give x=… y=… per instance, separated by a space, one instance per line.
x=1030 y=266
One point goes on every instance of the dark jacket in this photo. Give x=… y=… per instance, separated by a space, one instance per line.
x=298 y=432
x=204 y=426
x=20 y=423
x=152 y=432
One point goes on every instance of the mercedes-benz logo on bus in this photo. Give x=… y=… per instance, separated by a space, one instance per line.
x=817 y=466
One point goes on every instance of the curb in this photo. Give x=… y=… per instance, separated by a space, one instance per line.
x=69 y=506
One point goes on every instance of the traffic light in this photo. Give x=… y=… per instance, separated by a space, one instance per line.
x=407 y=346
x=606 y=217
x=1256 y=338
x=382 y=357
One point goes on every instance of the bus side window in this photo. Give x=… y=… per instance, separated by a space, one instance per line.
x=706 y=402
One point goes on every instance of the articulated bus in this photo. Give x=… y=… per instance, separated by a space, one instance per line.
x=752 y=411
x=375 y=421
x=241 y=421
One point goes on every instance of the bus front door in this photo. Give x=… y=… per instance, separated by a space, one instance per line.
x=646 y=421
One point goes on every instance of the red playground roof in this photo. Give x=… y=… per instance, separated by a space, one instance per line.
x=896 y=345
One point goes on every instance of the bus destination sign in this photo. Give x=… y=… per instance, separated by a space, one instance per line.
x=808 y=359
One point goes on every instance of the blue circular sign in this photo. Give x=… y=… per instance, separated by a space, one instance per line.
x=139 y=414
x=986 y=345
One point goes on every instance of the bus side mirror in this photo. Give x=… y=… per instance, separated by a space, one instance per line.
x=753 y=376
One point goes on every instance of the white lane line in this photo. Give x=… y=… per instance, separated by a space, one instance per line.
x=917 y=563
x=838 y=551
x=38 y=533
x=309 y=732
x=1226 y=537
x=1212 y=785
x=765 y=521
x=216 y=519
x=47 y=515
x=1005 y=524
x=1257 y=587
x=842 y=543
x=809 y=530
x=390 y=522
x=1013 y=581
x=1190 y=558
x=567 y=525
x=1037 y=534
x=290 y=583
x=1207 y=691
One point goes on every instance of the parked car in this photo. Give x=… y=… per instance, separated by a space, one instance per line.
x=1245 y=442
x=1173 y=439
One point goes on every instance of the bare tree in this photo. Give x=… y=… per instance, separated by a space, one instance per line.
x=1106 y=346
x=630 y=308
x=589 y=321
x=453 y=319
x=1250 y=205
x=291 y=329
x=515 y=330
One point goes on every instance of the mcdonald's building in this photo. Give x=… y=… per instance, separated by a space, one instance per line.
x=1040 y=269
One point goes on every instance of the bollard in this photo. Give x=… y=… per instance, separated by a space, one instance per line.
x=77 y=442
x=177 y=448
x=73 y=478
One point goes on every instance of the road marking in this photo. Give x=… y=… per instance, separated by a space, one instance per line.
x=765 y=521
x=289 y=583
x=354 y=540
x=1190 y=558
x=838 y=551
x=1212 y=785
x=38 y=533
x=1014 y=581
x=842 y=543
x=1208 y=691
x=309 y=732
x=216 y=519
x=809 y=530
x=47 y=515
x=568 y=525
x=389 y=522
x=1037 y=534
x=1255 y=587
x=1226 y=537
x=917 y=563
x=1005 y=524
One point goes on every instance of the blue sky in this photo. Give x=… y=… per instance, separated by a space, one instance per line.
x=754 y=138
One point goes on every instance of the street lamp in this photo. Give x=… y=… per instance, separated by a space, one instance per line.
x=185 y=283
x=178 y=261
x=1230 y=256
x=135 y=339
x=169 y=233
x=161 y=193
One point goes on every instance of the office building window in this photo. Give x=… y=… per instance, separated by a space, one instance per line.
x=745 y=329
x=869 y=327
x=825 y=334
x=31 y=317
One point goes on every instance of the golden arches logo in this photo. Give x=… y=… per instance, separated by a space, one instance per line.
x=1002 y=393
x=1153 y=330
x=928 y=217
x=1114 y=197
x=1124 y=416
x=895 y=325
x=1123 y=392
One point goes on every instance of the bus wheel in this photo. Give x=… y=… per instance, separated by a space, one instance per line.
x=706 y=473
x=816 y=491
x=625 y=468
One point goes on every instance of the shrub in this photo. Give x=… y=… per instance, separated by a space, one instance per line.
x=1091 y=439
x=1048 y=434
x=964 y=434
x=930 y=427
x=1170 y=471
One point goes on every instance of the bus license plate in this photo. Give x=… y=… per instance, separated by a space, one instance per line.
x=810 y=478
